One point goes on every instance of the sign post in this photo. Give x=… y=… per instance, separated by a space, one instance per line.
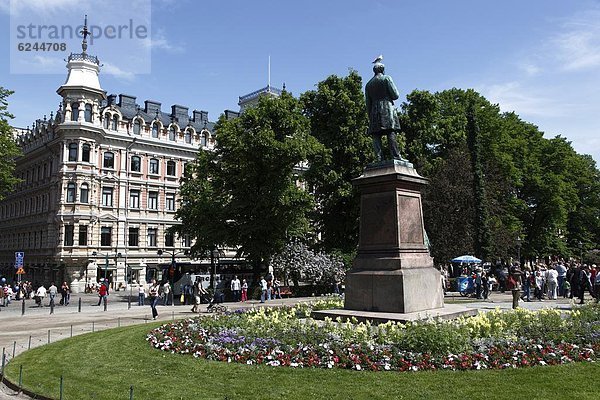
x=19 y=256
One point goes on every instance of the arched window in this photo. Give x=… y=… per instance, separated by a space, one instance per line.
x=136 y=164
x=153 y=166
x=109 y=160
x=172 y=133
x=137 y=126
x=188 y=136
x=115 y=122
x=106 y=120
x=203 y=138
x=73 y=151
x=85 y=153
x=87 y=114
x=84 y=195
x=155 y=130
x=74 y=111
x=71 y=189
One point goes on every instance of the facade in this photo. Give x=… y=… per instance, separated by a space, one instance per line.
x=100 y=186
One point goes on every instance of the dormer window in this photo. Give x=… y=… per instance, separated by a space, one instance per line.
x=74 y=111
x=203 y=138
x=115 y=122
x=106 y=121
x=172 y=133
x=137 y=127
x=88 y=113
x=188 y=136
x=155 y=130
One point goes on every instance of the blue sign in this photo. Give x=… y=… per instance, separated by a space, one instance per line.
x=19 y=255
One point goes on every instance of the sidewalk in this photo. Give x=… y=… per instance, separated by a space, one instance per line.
x=38 y=327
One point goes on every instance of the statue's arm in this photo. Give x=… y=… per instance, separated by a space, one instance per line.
x=392 y=89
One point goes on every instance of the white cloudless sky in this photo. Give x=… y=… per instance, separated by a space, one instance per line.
x=539 y=58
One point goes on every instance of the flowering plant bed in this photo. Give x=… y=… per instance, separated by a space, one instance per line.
x=288 y=337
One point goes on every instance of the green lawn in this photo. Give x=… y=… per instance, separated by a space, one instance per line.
x=103 y=365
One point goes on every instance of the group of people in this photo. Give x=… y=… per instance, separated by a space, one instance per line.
x=269 y=288
x=26 y=290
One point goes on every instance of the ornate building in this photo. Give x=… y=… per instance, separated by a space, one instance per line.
x=100 y=186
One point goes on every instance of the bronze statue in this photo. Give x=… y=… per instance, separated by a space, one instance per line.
x=380 y=94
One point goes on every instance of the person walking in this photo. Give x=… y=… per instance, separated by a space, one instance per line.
x=154 y=297
x=65 y=292
x=244 y=290
x=584 y=283
x=263 y=289
x=40 y=293
x=552 y=283
x=103 y=294
x=236 y=288
x=141 y=294
x=166 y=289
x=52 y=292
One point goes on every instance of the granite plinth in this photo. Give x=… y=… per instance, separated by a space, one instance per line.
x=450 y=311
x=393 y=271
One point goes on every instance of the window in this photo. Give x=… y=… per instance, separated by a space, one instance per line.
x=115 y=122
x=85 y=153
x=172 y=133
x=69 y=231
x=170 y=201
x=203 y=138
x=152 y=237
x=134 y=198
x=109 y=160
x=105 y=236
x=136 y=164
x=169 y=239
x=106 y=121
x=71 y=190
x=87 y=114
x=134 y=236
x=188 y=136
x=187 y=241
x=74 y=111
x=171 y=168
x=155 y=130
x=84 y=193
x=153 y=200
x=153 y=166
x=83 y=235
x=73 y=151
x=107 y=197
x=137 y=127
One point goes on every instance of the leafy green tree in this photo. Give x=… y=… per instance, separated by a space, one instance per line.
x=8 y=148
x=246 y=194
x=338 y=120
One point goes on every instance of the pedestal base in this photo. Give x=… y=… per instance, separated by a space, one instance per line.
x=397 y=291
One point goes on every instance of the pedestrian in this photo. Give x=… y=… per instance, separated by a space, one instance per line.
x=514 y=283
x=103 y=293
x=40 y=293
x=263 y=289
x=562 y=276
x=166 y=290
x=584 y=283
x=141 y=294
x=566 y=289
x=154 y=297
x=52 y=292
x=597 y=282
x=276 y=289
x=552 y=283
x=236 y=288
x=244 y=290
x=65 y=292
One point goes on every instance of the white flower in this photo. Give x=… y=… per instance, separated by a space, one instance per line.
x=358 y=367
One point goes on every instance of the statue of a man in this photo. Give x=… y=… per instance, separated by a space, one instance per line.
x=380 y=94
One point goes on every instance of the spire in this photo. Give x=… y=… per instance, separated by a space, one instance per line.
x=85 y=33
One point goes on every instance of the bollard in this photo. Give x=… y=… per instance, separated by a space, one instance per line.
x=14 y=348
x=119 y=322
x=79 y=305
x=60 y=393
x=92 y=326
x=48 y=336
x=129 y=298
x=131 y=392
x=29 y=344
x=20 y=379
x=71 y=330
x=23 y=307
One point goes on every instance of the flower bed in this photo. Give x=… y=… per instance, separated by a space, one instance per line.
x=288 y=337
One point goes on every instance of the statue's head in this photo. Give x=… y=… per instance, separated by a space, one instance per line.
x=378 y=68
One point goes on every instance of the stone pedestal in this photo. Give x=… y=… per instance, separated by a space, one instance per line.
x=393 y=271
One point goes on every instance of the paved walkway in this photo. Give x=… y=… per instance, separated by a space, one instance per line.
x=38 y=327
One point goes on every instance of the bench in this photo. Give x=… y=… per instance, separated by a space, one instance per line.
x=285 y=291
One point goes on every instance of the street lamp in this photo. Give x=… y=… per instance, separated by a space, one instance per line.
x=580 y=244
x=213 y=267
x=519 y=243
x=95 y=254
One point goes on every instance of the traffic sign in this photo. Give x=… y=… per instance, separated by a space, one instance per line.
x=19 y=255
x=20 y=271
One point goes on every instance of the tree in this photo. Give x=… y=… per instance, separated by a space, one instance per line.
x=8 y=148
x=297 y=262
x=246 y=194
x=338 y=120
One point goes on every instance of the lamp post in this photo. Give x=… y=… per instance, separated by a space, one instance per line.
x=580 y=244
x=95 y=254
x=214 y=254
x=519 y=243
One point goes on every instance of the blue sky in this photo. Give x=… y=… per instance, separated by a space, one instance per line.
x=539 y=58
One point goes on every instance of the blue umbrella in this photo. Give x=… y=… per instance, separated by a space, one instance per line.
x=466 y=259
